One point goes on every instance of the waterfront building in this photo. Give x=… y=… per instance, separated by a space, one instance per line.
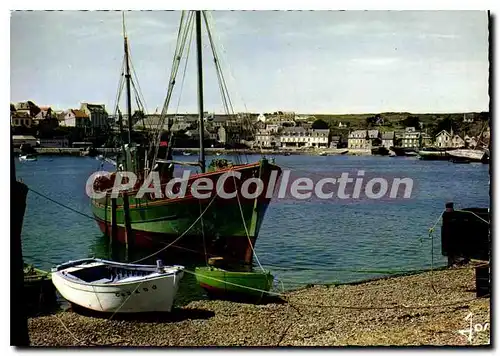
x=411 y=138
x=358 y=139
x=301 y=137
x=443 y=139
x=97 y=115
x=46 y=119
x=76 y=118
x=22 y=113
x=457 y=141
x=267 y=136
x=21 y=118
x=363 y=139
x=425 y=139
x=388 y=139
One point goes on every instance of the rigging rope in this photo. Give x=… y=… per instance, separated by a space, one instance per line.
x=181 y=43
x=220 y=76
x=245 y=226
x=337 y=306
x=187 y=230
x=185 y=70
x=226 y=63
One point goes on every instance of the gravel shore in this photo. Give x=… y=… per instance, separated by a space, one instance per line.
x=423 y=309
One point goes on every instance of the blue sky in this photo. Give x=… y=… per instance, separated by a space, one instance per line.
x=303 y=61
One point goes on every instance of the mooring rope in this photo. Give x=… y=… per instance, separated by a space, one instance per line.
x=287 y=298
x=245 y=226
x=188 y=229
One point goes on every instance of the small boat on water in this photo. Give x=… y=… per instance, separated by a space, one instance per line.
x=228 y=283
x=403 y=151
x=27 y=158
x=472 y=155
x=433 y=154
x=380 y=151
x=108 y=286
x=185 y=153
x=460 y=160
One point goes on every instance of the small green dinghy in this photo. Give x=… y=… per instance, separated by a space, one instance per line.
x=38 y=288
x=232 y=284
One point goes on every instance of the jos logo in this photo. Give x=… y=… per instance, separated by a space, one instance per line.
x=473 y=329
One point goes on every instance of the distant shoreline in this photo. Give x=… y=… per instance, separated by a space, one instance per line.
x=213 y=151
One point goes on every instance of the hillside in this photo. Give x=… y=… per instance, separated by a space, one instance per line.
x=432 y=123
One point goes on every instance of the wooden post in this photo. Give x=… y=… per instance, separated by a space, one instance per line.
x=129 y=239
x=114 y=226
x=18 y=320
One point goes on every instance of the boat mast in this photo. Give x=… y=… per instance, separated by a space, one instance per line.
x=200 y=89
x=127 y=80
x=129 y=238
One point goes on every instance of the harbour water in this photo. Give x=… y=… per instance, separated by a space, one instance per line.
x=301 y=242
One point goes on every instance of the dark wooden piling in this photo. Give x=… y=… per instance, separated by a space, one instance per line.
x=483 y=281
x=18 y=319
x=114 y=225
x=129 y=238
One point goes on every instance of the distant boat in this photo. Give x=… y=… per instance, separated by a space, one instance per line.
x=28 y=158
x=218 y=153
x=108 y=286
x=461 y=160
x=433 y=154
x=381 y=151
x=323 y=153
x=403 y=151
x=477 y=155
x=185 y=153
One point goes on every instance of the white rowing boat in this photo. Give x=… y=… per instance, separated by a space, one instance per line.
x=108 y=286
x=27 y=158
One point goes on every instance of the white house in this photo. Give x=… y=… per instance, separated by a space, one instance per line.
x=75 y=118
x=411 y=138
x=443 y=139
x=457 y=141
x=300 y=137
x=388 y=139
x=358 y=139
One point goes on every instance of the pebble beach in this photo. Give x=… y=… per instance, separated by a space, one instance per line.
x=429 y=308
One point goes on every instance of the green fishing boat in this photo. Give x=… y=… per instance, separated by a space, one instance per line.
x=220 y=226
x=222 y=283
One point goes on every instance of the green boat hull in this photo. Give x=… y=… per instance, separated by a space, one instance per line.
x=39 y=292
x=221 y=232
x=221 y=283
